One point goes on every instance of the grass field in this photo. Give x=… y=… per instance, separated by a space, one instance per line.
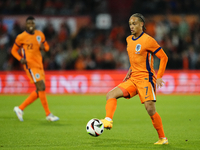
x=132 y=126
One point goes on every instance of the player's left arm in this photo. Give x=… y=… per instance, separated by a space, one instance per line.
x=44 y=45
x=163 y=63
x=155 y=48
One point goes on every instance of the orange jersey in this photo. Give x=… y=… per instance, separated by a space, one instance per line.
x=141 y=51
x=30 y=48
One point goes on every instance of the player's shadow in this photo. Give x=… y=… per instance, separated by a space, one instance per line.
x=111 y=143
x=108 y=143
x=58 y=123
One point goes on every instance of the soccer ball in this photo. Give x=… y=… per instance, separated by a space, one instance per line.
x=94 y=127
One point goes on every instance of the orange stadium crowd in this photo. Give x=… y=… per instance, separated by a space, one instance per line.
x=92 y=48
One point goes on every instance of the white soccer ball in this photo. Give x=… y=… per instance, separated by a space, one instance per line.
x=94 y=127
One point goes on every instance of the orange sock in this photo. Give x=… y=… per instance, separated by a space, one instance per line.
x=32 y=97
x=157 y=123
x=111 y=106
x=43 y=99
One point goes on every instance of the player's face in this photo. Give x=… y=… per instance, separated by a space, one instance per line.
x=30 y=25
x=135 y=25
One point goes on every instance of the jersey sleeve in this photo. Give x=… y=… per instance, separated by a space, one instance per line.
x=18 y=41
x=153 y=46
x=163 y=62
x=16 y=47
x=46 y=45
x=42 y=36
x=127 y=40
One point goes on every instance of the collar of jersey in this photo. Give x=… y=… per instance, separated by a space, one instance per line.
x=137 y=37
x=29 y=32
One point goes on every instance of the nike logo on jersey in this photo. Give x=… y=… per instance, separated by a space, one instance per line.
x=146 y=97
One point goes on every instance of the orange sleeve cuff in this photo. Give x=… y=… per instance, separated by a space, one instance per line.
x=14 y=52
x=163 y=62
x=46 y=46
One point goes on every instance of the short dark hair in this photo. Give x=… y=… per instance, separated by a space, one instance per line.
x=30 y=18
x=141 y=17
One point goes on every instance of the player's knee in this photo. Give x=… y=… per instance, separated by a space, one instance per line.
x=40 y=86
x=151 y=111
x=42 y=89
x=109 y=95
x=115 y=93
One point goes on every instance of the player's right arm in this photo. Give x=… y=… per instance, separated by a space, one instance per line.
x=128 y=75
x=14 y=51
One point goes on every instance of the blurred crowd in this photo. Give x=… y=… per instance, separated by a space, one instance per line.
x=90 y=7
x=51 y=7
x=179 y=39
x=93 y=48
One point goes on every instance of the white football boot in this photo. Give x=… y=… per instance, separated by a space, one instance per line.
x=19 y=113
x=51 y=117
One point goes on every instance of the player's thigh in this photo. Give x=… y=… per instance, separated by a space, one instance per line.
x=128 y=88
x=40 y=85
x=35 y=74
x=114 y=93
x=146 y=91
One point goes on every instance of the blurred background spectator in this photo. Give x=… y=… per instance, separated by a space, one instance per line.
x=174 y=24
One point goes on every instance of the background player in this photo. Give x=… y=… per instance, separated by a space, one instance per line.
x=140 y=78
x=31 y=42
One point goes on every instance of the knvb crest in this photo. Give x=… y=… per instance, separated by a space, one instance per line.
x=38 y=39
x=138 y=48
x=37 y=75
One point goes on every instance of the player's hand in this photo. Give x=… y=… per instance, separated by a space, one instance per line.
x=42 y=46
x=160 y=82
x=127 y=77
x=23 y=61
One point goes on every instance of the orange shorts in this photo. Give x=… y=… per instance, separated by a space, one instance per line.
x=35 y=74
x=144 y=88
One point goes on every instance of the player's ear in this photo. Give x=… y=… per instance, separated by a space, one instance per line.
x=142 y=24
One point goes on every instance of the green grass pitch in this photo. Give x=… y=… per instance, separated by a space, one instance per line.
x=132 y=128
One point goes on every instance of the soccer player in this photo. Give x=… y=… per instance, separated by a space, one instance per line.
x=140 y=78
x=31 y=42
